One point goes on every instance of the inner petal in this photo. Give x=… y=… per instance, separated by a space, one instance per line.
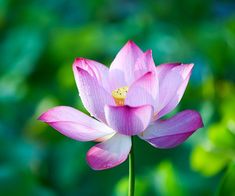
x=119 y=95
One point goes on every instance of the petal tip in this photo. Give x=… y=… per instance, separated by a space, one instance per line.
x=132 y=44
x=43 y=117
x=40 y=118
x=96 y=164
x=92 y=164
x=198 y=119
x=201 y=124
x=46 y=116
x=149 y=52
x=190 y=66
x=89 y=161
x=78 y=60
x=174 y=131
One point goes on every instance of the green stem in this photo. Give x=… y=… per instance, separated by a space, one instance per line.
x=131 y=171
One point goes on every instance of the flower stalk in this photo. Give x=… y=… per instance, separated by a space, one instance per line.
x=131 y=191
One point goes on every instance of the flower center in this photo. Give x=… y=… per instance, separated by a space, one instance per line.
x=119 y=95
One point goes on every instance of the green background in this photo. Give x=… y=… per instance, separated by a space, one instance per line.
x=39 y=40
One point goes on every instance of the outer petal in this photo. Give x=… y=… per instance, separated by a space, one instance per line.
x=75 y=124
x=173 y=79
x=143 y=91
x=95 y=69
x=121 y=71
x=172 y=132
x=128 y=120
x=92 y=94
x=110 y=153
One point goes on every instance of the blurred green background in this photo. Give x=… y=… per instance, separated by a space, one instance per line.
x=39 y=40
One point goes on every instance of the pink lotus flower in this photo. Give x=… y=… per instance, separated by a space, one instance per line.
x=128 y=99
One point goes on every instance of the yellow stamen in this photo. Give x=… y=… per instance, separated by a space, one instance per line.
x=119 y=95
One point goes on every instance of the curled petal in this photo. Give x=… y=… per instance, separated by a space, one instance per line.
x=75 y=124
x=95 y=69
x=143 y=91
x=128 y=120
x=163 y=69
x=109 y=153
x=172 y=132
x=173 y=80
x=121 y=70
x=144 y=64
x=92 y=94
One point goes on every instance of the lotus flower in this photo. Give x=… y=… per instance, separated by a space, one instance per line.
x=125 y=100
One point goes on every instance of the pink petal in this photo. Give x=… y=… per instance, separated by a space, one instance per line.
x=172 y=132
x=75 y=124
x=163 y=69
x=128 y=120
x=173 y=79
x=144 y=64
x=95 y=69
x=176 y=99
x=121 y=71
x=109 y=153
x=143 y=91
x=92 y=94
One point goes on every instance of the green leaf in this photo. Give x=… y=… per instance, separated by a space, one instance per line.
x=221 y=136
x=227 y=183
x=19 y=54
x=141 y=187
x=207 y=161
x=166 y=180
